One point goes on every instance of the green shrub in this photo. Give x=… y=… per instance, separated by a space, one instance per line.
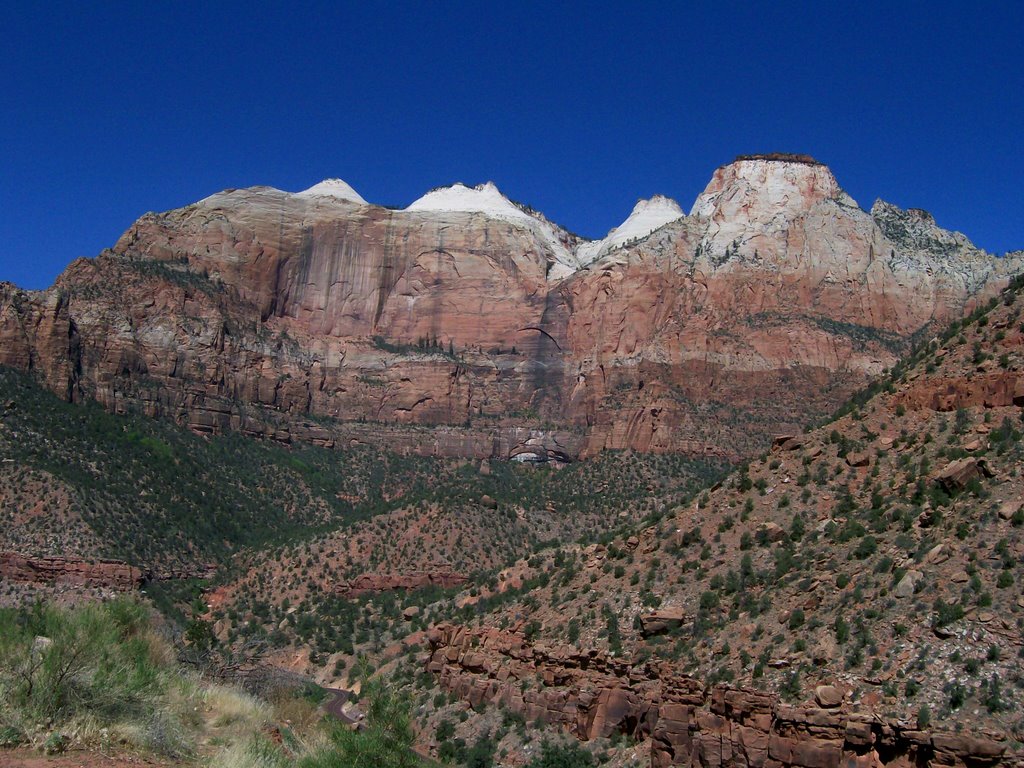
x=57 y=663
x=842 y=630
x=11 y=736
x=866 y=547
x=992 y=696
x=445 y=730
x=567 y=756
x=386 y=742
x=481 y=754
x=957 y=695
x=55 y=744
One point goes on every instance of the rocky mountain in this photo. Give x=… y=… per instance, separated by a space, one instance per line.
x=852 y=597
x=469 y=325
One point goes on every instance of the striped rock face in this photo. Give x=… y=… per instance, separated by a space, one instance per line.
x=313 y=315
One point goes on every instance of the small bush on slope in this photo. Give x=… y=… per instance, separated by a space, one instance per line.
x=568 y=756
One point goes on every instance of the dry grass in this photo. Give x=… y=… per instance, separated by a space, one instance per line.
x=256 y=751
x=228 y=707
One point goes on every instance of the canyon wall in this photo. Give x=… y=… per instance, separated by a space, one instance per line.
x=481 y=329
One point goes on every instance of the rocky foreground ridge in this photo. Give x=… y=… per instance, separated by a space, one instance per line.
x=468 y=325
x=686 y=722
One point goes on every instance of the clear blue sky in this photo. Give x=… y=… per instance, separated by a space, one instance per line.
x=114 y=109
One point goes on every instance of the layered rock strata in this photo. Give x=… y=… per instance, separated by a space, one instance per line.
x=469 y=325
x=70 y=571
x=592 y=695
x=373 y=583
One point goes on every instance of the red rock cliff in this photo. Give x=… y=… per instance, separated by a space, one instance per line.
x=307 y=316
x=685 y=722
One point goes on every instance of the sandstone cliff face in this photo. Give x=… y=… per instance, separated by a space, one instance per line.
x=594 y=695
x=269 y=312
x=778 y=294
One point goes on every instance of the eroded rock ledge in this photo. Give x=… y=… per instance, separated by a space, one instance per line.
x=70 y=571
x=592 y=694
x=81 y=572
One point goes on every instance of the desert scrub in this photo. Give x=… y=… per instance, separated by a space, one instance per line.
x=98 y=667
x=100 y=673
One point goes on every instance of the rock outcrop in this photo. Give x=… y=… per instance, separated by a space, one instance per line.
x=959 y=474
x=70 y=571
x=465 y=323
x=594 y=695
x=990 y=390
x=372 y=583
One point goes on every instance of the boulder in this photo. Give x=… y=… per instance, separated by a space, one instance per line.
x=615 y=710
x=661 y=621
x=908 y=584
x=1008 y=509
x=861 y=459
x=790 y=442
x=828 y=696
x=957 y=748
x=805 y=752
x=825 y=650
x=936 y=555
x=779 y=440
x=957 y=474
x=773 y=531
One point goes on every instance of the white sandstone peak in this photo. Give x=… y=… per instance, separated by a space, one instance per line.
x=766 y=184
x=458 y=198
x=646 y=217
x=487 y=200
x=333 y=188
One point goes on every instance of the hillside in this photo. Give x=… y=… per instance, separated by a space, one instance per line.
x=855 y=591
x=77 y=481
x=103 y=685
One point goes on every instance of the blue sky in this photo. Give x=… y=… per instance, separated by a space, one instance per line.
x=111 y=110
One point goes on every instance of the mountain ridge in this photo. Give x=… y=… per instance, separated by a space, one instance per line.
x=468 y=334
